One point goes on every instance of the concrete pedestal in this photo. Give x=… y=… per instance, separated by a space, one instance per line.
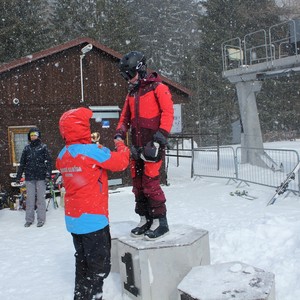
x=151 y=270
x=233 y=280
x=118 y=230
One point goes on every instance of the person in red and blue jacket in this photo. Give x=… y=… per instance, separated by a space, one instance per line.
x=148 y=113
x=83 y=166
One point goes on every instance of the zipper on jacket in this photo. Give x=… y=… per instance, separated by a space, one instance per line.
x=100 y=182
x=137 y=115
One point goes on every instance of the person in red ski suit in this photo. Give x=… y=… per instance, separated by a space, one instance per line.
x=148 y=112
x=83 y=166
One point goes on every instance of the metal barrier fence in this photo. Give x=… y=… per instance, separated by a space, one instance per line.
x=214 y=162
x=182 y=145
x=225 y=162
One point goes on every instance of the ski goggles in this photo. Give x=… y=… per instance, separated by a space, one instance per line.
x=34 y=133
x=128 y=75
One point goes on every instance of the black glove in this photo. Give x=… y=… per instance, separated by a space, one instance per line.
x=160 y=138
x=151 y=152
x=135 y=152
x=118 y=137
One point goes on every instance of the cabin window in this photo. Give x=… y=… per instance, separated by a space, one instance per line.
x=17 y=140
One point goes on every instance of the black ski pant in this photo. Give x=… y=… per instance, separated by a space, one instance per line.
x=92 y=262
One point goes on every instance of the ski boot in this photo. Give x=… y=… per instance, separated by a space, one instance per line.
x=27 y=224
x=142 y=227
x=158 y=229
x=40 y=224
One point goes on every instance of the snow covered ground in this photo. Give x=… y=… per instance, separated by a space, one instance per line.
x=38 y=263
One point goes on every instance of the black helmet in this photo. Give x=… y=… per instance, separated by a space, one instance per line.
x=132 y=63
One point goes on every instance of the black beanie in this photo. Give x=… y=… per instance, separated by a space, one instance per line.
x=34 y=129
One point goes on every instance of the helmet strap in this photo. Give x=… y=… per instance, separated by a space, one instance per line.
x=133 y=86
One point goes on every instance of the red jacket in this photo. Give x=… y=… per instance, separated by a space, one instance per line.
x=83 y=167
x=147 y=110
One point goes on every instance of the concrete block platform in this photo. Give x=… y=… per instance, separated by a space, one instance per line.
x=152 y=270
x=117 y=231
x=233 y=280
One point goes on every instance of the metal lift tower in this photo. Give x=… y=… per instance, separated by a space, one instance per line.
x=246 y=63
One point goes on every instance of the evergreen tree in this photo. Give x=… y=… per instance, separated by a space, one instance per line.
x=223 y=20
x=73 y=19
x=24 y=28
x=278 y=105
x=119 y=29
x=168 y=32
x=106 y=21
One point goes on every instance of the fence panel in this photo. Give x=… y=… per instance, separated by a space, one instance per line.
x=214 y=162
x=226 y=162
x=278 y=163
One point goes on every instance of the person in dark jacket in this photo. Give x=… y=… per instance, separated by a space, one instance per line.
x=83 y=165
x=36 y=163
x=148 y=112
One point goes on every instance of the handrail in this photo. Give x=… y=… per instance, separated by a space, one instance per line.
x=263 y=45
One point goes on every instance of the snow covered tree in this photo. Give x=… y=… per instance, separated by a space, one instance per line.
x=215 y=98
x=278 y=105
x=290 y=9
x=168 y=31
x=119 y=29
x=73 y=18
x=107 y=21
x=24 y=28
